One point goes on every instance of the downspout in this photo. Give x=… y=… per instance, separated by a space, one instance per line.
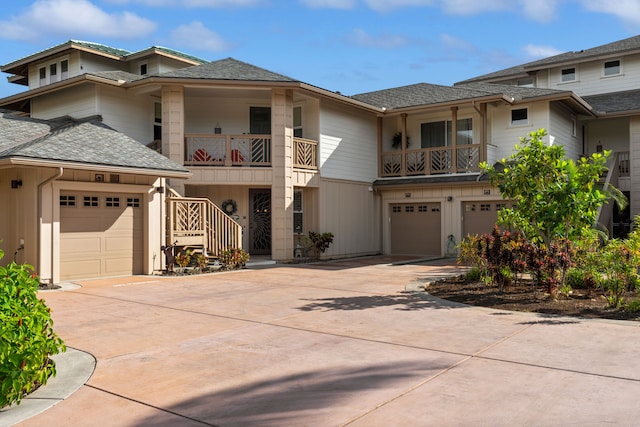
x=39 y=230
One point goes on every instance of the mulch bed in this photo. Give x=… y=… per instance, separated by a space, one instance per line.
x=523 y=297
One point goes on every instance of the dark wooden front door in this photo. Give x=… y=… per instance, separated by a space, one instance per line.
x=260 y=222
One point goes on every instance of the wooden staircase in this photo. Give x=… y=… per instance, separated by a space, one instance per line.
x=198 y=224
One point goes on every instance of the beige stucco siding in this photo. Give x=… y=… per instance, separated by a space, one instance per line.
x=351 y=211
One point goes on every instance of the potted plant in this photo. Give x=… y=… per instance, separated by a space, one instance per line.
x=396 y=141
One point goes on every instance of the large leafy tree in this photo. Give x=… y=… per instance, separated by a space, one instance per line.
x=554 y=197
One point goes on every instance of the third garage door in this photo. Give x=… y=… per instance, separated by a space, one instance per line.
x=415 y=229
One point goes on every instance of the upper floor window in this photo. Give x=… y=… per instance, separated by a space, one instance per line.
x=297 y=122
x=568 y=75
x=144 y=69
x=612 y=68
x=440 y=134
x=53 y=72
x=157 y=121
x=519 y=116
x=526 y=82
x=42 y=76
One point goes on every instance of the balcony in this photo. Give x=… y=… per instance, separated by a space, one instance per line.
x=244 y=150
x=432 y=161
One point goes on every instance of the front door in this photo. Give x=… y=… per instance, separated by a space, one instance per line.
x=260 y=222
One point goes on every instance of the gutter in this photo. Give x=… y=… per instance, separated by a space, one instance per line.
x=39 y=228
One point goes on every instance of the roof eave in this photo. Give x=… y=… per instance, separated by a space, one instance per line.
x=28 y=161
x=440 y=105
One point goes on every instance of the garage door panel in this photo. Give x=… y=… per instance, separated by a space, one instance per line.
x=75 y=245
x=103 y=238
x=416 y=229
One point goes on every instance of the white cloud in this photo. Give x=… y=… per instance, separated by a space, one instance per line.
x=73 y=18
x=193 y=3
x=387 y=5
x=455 y=43
x=535 y=52
x=626 y=10
x=330 y=4
x=196 y=35
x=362 y=38
x=540 y=10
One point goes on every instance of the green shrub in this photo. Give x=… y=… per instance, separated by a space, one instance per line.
x=27 y=338
x=474 y=274
x=632 y=306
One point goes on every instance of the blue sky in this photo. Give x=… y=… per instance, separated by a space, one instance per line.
x=350 y=46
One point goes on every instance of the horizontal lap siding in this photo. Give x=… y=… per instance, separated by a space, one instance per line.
x=348 y=144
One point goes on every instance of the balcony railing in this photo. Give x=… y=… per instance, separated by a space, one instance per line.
x=432 y=161
x=227 y=150
x=305 y=153
x=244 y=150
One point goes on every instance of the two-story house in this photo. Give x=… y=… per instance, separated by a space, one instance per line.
x=393 y=171
x=607 y=77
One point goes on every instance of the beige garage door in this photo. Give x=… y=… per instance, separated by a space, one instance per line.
x=480 y=217
x=415 y=229
x=100 y=235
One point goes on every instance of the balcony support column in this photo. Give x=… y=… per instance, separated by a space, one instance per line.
x=403 y=146
x=454 y=140
x=282 y=187
x=173 y=143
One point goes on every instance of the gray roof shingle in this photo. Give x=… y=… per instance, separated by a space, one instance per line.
x=87 y=141
x=228 y=69
x=429 y=94
x=617 y=102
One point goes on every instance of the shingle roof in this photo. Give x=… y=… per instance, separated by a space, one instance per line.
x=617 y=102
x=618 y=47
x=87 y=141
x=417 y=94
x=429 y=94
x=228 y=69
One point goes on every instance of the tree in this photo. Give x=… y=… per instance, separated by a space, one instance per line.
x=555 y=197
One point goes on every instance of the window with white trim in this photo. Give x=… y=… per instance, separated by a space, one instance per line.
x=519 y=116
x=297 y=212
x=568 y=75
x=612 y=68
x=52 y=72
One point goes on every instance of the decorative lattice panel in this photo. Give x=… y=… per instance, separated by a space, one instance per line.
x=468 y=159
x=441 y=161
x=415 y=163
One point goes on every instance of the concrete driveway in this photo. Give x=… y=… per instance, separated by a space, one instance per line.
x=333 y=344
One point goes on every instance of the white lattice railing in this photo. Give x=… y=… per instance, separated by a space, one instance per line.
x=432 y=161
x=200 y=223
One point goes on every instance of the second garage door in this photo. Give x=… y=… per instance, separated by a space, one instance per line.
x=415 y=229
x=100 y=235
x=480 y=217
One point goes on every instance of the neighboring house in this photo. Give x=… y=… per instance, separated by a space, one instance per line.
x=284 y=157
x=80 y=199
x=607 y=77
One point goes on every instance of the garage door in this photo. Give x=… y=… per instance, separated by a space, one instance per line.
x=100 y=235
x=415 y=229
x=480 y=217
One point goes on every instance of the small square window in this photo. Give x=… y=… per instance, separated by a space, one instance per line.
x=485 y=207
x=91 y=201
x=68 y=201
x=568 y=74
x=133 y=202
x=423 y=208
x=396 y=209
x=519 y=117
x=408 y=209
x=612 y=68
x=112 y=202
x=436 y=209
